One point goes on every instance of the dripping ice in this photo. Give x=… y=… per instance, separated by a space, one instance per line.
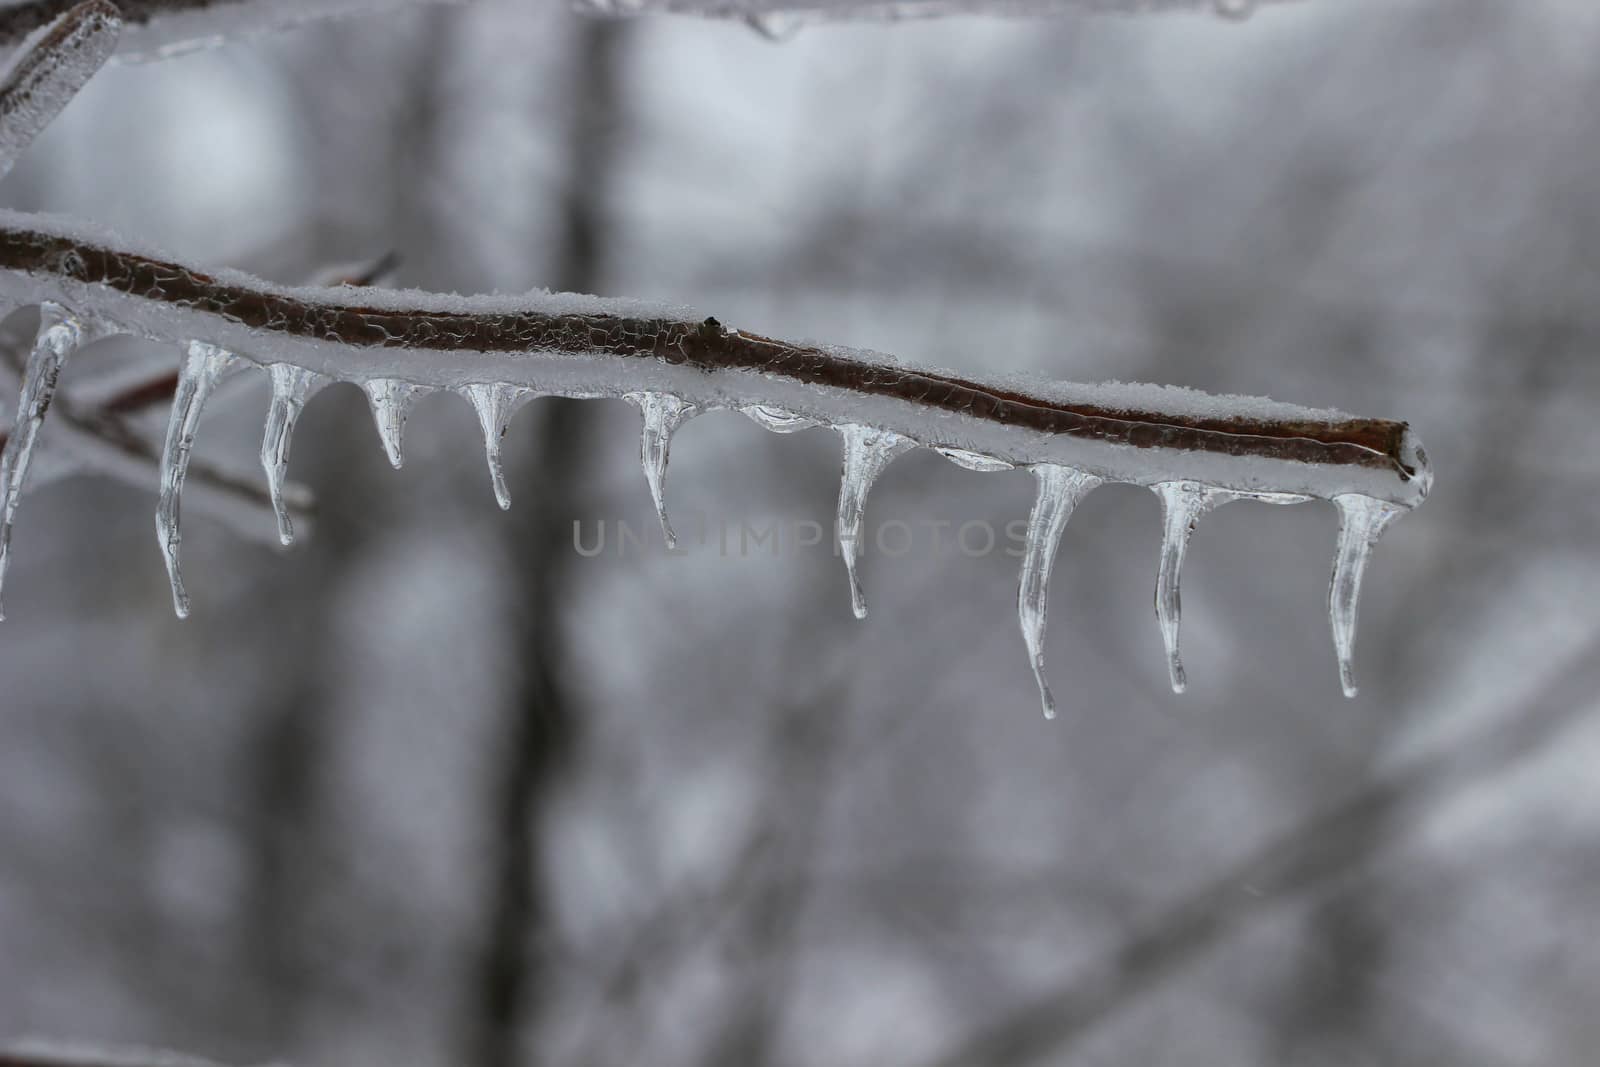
x=1362 y=520
x=391 y=401
x=60 y=334
x=495 y=403
x=203 y=364
x=663 y=413
x=1060 y=490
x=867 y=452
x=291 y=387
x=1182 y=505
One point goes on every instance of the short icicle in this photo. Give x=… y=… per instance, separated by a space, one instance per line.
x=1362 y=520
x=60 y=334
x=1061 y=489
x=1182 y=505
x=291 y=387
x=495 y=404
x=663 y=414
x=778 y=420
x=866 y=453
x=203 y=364
x=391 y=401
x=974 y=461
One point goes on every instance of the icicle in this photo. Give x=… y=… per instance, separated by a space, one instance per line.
x=291 y=387
x=973 y=461
x=60 y=334
x=776 y=26
x=1060 y=491
x=495 y=403
x=663 y=414
x=391 y=401
x=1182 y=505
x=203 y=364
x=778 y=420
x=866 y=453
x=1362 y=520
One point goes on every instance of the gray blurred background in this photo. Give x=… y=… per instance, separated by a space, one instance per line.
x=434 y=788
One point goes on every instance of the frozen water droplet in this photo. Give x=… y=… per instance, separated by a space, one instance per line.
x=49 y=73
x=60 y=334
x=1362 y=520
x=866 y=453
x=776 y=26
x=778 y=420
x=203 y=364
x=496 y=403
x=1238 y=10
x=663 y=414
x=974 y=461
x=1182 y=505
x=1060 y=491
x=291 y=387
x=391 y=401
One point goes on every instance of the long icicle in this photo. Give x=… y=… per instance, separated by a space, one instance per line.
x=1059 y=493
x=60 y=334
x=1182 y=505
x=495 y=403
x=203 y=364
x=866 y=453
x=391 y=401
x=663 y=414
x=1362 y=520
x=291 y=387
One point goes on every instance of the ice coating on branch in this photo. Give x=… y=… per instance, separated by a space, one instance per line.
x=495 y=403
x=158 y=28
x=203 y=364
x=1182 y=505
x=391 y=401
x=974 y=461
x=291 y=387
x=60 y=334
x=50 y=70
x=778 y=420
x=663 y=414
x=1362 y=521
x=779 y=19
x=1060 y=490
x=867 y=452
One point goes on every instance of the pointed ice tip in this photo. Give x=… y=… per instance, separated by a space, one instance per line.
x=1180 y=680
x=285 y=530
x=858 y=598
x=1347 y=681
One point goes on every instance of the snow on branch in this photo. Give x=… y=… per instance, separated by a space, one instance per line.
x=1195 y=451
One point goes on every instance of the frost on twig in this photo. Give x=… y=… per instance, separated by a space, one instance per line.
x=1195 y=451
x=157 y=28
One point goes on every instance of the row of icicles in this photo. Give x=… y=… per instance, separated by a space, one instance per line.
x=867 y=452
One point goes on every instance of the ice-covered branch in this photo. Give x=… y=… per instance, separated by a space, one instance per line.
x=50 y=71
x=77 y=1054
x=1196 y=451
x=780 y=18
x=160 y=27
